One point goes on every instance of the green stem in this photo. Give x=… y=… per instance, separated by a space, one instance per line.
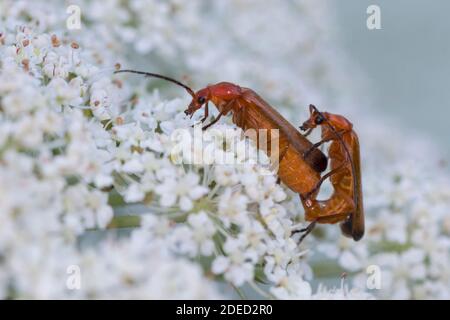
x=260 y=291
x=239 y=291
x=124 y=222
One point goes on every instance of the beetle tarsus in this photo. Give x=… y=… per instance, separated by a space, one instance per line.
x=306 y=231
x=307 y=133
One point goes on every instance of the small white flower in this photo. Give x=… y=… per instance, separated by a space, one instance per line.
x=185 y=190
x=203 y=230
x=292 y=287
x=232 y=207
x=134 y=193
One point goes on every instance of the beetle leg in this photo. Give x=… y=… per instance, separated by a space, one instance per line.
x=307 y=133
x=224 y=111
x=326 y=176
x=306 y=230
x=314 y=146
x=205 y=116
x=213 y=122
x=243 y=115
x=206 y=113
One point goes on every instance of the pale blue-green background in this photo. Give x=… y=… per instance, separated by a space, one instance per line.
x=406 y=62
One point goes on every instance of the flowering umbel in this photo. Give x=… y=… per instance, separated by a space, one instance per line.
x=89 y=176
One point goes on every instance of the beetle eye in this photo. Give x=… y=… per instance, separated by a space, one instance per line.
x=201 y=100
x=319 y=119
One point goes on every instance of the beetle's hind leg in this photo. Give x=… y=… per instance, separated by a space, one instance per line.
x=305 y=231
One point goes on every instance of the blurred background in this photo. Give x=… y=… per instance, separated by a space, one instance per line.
x=406 y=62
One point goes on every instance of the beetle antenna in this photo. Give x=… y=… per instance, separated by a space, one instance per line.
x=160 y=76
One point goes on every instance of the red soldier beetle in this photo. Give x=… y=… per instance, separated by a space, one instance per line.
x=249 y=111
x=346 y=203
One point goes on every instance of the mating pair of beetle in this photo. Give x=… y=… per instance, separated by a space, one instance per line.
x=301 y=163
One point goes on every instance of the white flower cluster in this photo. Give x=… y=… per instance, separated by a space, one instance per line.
x=408 y=235
x=85 y=157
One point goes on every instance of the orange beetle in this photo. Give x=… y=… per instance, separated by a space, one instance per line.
x=346 y=202
x=249 y=111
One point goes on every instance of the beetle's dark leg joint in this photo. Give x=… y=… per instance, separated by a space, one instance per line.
x=306 y=230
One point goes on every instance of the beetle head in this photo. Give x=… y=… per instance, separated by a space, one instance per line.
x=199 y=99
x=316 y=118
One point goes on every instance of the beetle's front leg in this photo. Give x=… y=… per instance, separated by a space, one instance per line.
x=212 y=122
x=307 y=133
x=225 y=110
x=314 y=146
x=206 y=113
